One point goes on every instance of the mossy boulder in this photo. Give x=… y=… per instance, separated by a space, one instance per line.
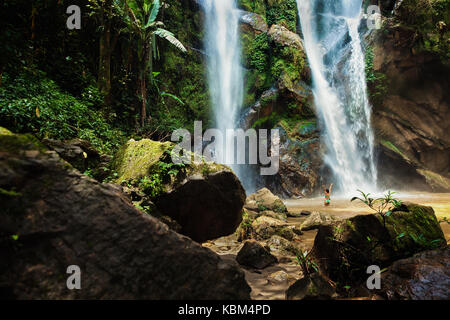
x=274 y=215
x=346 y=248
x=282 y=247
x=285 y=37
x=264 y=224
x=5 y=132
x=265 y=227
x=19 y=143
x=264 y=200
x=204 y=198
x=135 y=159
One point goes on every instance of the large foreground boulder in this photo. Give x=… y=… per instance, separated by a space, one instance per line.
x=346 y=248
x=205 y=199
x=425 y=276
x=52 y=217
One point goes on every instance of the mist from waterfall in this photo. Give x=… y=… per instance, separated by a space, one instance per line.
x=225 y=73
x=337 y=62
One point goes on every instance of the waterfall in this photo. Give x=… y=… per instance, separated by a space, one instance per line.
x=225 y=73
x=337 y=62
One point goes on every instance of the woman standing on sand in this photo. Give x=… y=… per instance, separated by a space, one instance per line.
x=327 y=193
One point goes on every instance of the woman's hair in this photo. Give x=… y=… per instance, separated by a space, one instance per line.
x=327 y=190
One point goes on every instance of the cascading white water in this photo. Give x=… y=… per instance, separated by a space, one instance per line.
x=225 y=72
x=337 y=62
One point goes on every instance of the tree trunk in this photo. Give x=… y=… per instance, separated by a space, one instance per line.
x=146 y=69
x=144 y=100
x=105 y=50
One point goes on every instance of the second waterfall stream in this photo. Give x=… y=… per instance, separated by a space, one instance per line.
x=337 y=62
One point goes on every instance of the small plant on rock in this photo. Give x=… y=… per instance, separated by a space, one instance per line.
x=261 y=206
x=383 y=206
x=306 y=262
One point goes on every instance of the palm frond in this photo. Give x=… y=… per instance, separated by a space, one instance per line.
x=170 y=37
x=155 y=9
x=173 y=97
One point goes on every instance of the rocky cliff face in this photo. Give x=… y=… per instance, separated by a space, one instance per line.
x=278 y=95
x=410 y=97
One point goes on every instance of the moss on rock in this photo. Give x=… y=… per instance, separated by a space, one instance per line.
x=345 y=249
x=134 y=159
x=14 y=143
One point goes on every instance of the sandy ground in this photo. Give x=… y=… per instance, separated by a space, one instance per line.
x=259 y=280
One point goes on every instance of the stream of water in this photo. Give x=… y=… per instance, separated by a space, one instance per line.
x=337 y=62
x=225 y=76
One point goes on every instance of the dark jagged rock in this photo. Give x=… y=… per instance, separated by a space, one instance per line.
x=313 y=287
x=52 y=217
x=346 y=248
x=81 y=155
x=254 y=255
x=425 y=276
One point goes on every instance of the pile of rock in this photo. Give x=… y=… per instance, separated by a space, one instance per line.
x=265 y=225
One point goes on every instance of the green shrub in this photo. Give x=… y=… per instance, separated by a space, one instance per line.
x=282 y=12
x=31 y=102
x=376 y=81
x=430 y=20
